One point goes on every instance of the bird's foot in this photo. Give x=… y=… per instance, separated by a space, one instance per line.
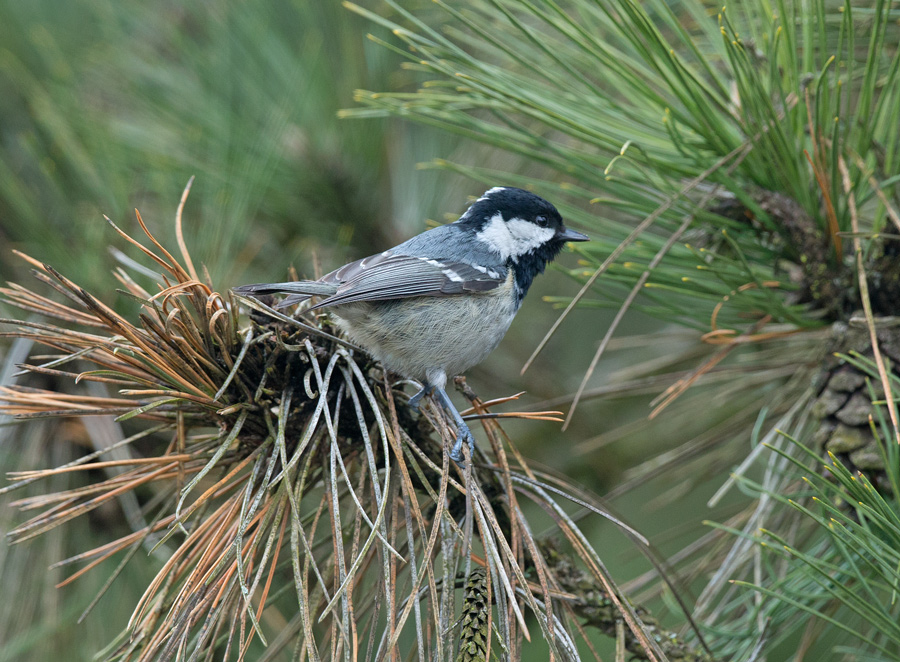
x=416 y=400
x=464 y=436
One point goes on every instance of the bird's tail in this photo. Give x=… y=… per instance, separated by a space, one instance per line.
x=298 y=290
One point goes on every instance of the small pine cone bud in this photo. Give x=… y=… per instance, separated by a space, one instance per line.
x=473 y=634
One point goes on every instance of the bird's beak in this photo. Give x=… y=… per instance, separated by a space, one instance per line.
x=567 y=234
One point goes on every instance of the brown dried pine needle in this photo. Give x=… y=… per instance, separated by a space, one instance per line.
x=304 y=510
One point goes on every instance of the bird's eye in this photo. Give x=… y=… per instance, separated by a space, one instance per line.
x=542 y=220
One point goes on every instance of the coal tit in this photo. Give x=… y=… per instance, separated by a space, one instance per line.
x=439 y=303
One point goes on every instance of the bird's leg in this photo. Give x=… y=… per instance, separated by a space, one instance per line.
x=427 y=389
x=463 y=433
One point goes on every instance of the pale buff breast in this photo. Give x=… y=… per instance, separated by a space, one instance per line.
x=412 y=336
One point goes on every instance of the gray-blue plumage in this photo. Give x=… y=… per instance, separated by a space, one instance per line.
x=440 y=302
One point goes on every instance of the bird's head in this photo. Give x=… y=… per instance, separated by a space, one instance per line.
x=517 y=224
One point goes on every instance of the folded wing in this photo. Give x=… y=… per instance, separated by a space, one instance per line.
x=383 y=277
x=392 y=276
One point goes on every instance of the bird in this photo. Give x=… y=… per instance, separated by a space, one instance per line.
x=439 y=303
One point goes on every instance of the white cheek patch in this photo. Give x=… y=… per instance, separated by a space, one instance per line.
x=514 y=237
x=528 y=236
x=496 y=236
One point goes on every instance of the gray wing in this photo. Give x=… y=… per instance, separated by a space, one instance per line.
x=392 y=276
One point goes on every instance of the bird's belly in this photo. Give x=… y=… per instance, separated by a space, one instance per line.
x=415 y=335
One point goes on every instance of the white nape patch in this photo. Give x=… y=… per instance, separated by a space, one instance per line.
x=514 y=237
x=490 y=192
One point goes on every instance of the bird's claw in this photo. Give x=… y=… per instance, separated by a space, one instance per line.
x=416 y=399
x=464 y=436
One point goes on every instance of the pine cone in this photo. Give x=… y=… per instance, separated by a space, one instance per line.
x=474 y=632
x=844 y=401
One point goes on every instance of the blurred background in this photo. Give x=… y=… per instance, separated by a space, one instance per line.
x=110 y=106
